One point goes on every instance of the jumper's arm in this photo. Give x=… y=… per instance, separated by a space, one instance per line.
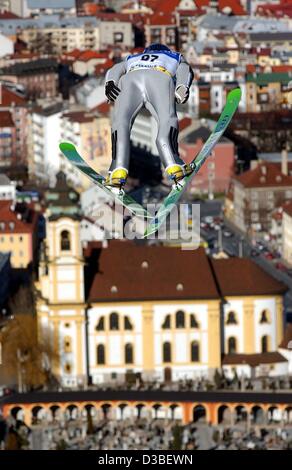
x=116 y=72
x=184 y=74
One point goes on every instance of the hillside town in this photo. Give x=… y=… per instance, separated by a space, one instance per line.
x=112 y=343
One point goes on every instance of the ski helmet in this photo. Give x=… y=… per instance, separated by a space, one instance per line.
x=156 y=47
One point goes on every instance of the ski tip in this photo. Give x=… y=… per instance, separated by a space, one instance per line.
x=235 y=94
x=63 y=146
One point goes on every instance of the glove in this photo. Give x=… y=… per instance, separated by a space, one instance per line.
x=182 y=93
x=111 y=90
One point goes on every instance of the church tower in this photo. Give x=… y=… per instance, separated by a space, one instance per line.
x=61 y=307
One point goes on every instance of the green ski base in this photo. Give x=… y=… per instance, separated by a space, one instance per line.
x=175 y=194
x=70 y=152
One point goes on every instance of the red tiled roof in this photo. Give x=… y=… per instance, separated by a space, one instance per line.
x=264 y=175
x=127 y=271
x=8 y=97
x=100 y=69
x=103 y=108
x=184 y=123
x=253 y=360
x=241 y=276
x=8 y=15
x=160 y=19
x=79 y=116
x=6 y=119
x=89 y=55
x=14 y=222
x=282 y=68
x=121 y=266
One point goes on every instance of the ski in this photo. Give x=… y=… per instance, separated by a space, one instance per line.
x=70 y=152
x=171 y=200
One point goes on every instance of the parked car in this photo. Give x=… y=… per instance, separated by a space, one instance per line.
x=227 y=234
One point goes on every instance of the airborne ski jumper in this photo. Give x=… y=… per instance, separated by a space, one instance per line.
x=155 y=80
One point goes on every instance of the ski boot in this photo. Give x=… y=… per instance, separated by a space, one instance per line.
x=116 y=179
x=178 y=172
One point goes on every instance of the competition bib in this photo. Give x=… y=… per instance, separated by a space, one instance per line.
x=165 y=59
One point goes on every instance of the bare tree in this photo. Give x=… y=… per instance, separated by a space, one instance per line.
x=28 y=357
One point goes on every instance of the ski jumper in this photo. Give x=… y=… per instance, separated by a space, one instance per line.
x=148 y=80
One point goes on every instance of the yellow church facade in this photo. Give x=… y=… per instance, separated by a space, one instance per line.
x=124 y=309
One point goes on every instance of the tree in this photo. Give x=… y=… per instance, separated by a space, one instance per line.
x=27 y=356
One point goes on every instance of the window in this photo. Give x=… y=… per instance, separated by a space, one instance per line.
x=265 y=344
x=264 y=317
x=194 y=322
x=100 y=324
x=166 y=352
x=180 y=319
x=67 y=344
x=21 y=253
x=100 y=354
x=129 y=354
x=127 y=324
x=195 y=351
x=20 y=238
x=231 y=345
x=67 y=325
x=68 y=368
x=65 y=240
x=231 y=319
x=114 y=321
x=118 y=37
x=166 y=323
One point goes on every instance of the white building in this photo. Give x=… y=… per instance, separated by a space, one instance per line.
x=45 y=136
x=6 y=47
x=7 y=188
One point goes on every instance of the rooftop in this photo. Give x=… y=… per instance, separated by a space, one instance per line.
x=253 y=360
x=264 y=175
x=17 y=218
x=28 y=68
x=11 y=98
x=10 y=26
x=52 y=4
x=4 y=180
x=241 y=276
x=6 y=119
x=166 y=273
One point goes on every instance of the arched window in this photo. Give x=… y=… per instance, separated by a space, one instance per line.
x=166 y=323
x=194 y=322
x=195 y=351
x=231 y=318
x=166 y=352
x=264 y=317
x=65 y=241
x=67 y=344
x=100 y=354
x=114 y=321
x=100 y=324
x=180 y=319
x=68 y=368
x=232 y=345
x=127 y=323
x=129 y=354
x=265 y=344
